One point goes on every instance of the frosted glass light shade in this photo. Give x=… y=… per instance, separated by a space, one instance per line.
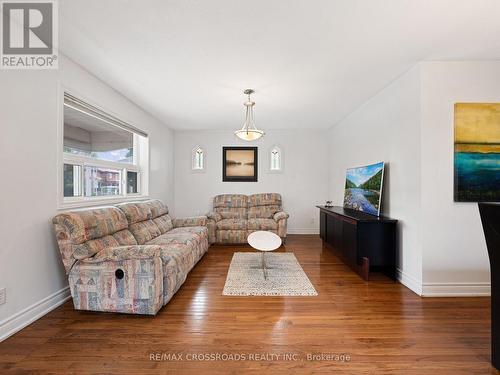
x=249 y=134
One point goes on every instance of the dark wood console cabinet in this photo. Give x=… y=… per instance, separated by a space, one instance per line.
x=364 y=242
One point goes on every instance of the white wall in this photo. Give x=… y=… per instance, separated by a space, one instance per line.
x=30 y=265
x=303 y=183
x=409 y=124
x=454 y=250
x=386 y=128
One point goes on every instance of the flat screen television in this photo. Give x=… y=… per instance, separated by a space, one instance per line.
x=363 y=188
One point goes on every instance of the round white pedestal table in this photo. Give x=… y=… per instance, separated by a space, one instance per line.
x=264 y=241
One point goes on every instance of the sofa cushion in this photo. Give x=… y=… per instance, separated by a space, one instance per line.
x=263 y=205
x=144 y=231
x=164 y=223
x=231 y=206
x=199 y=232
x=264 y=212
x=140 y=215
x=136 y=211
x=233 y=213
x=147 y=219
x=232 y=224
x=125 y=237
x=157 y=207
x=264 y=199
x=231 y=201
x=182 y=235
x=262 y=224
x=178 y=238
x=92 y=247
x=87 y=225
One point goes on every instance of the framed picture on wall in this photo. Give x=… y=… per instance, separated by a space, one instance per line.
x=477 y=152
x=239 y=164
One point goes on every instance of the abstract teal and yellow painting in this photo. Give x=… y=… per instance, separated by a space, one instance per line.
x=477 y=152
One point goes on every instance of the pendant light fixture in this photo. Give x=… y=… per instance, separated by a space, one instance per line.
x=249 y=131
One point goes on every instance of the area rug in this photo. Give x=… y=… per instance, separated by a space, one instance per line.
x=285 y=276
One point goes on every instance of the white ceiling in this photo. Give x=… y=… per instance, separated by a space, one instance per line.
x=311 y=62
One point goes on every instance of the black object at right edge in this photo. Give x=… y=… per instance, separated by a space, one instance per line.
x=490 y=218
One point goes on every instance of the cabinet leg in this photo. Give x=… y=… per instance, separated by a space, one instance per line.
x=365 y=268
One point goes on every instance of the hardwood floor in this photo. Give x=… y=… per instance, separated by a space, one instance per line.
x=382 y=326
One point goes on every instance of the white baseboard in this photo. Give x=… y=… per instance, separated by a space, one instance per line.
x=475 y=289
x=410 y=282
x=27 y=316
x=302 y=231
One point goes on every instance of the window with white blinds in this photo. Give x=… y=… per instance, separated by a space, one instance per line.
x=103 y=156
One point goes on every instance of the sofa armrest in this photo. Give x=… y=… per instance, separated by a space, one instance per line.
x=195 y=221
x=215 y=216
x=125 y=279
x=280 y=216
x=212 y=219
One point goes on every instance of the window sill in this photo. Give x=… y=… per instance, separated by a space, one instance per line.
x=99 y=202
x=197 y=171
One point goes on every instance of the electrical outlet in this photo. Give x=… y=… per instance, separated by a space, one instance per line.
x=3 y=296
x=313 y=220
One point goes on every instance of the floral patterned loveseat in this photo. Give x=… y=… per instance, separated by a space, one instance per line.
x=131 y=258
x=235 y=216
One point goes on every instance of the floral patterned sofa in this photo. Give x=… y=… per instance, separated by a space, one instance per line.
x=235 y=216
x=131 y=258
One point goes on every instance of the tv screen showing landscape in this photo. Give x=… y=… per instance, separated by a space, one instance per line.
x=363 y=188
